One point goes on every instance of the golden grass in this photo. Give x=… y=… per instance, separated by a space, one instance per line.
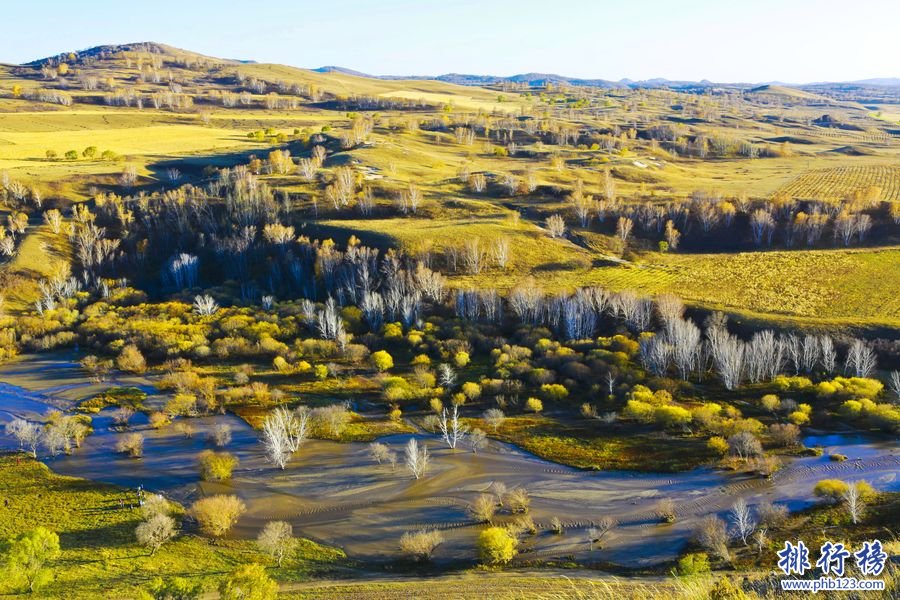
x=840 y=182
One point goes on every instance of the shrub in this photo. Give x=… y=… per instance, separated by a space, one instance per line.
x=248 y=582
x=770 y=402
x=771 y=515
x=798 y=417
x=217 y=466
x=131 y=444
x=718 y=445
x=695 y=563
x=382 y=361
x=795 y=383
x=496 y=546
x=158 y=419
x=554 y=391
x=850 y=387
x=130 y=359
x=534 y=405
x=672 y=416
x=830 y=489
x=176 y=588
x=483 y=508
x=518 y=500
x=420 y=545
x=643 y=412
x=471 y=390
x=217 y=514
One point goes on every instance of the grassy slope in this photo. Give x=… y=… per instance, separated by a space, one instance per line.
x=774 y=286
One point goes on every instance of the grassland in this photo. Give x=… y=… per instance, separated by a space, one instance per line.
x=100 y=557
x=582 y=446
x=825 y=160
x=840 y=182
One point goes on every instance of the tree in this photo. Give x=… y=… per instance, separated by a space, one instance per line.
x=477 y=439
x=452 y=429
x=493 y=417
x=248 y=582
x=712 y=534
x=417 y=458
x=28 y=556
x=28 y=434
x=497 y=546
x=382 y=360
x=742 y=520
x=155 y=531
x=854 y=503
x=277 y=540
x=217 y=514
x=556 y=226
x=283 y=434
x=217 y=466
x=744 y=445
x=420 y=545
x=861 y=360
x=381 y=453
x=623 y=228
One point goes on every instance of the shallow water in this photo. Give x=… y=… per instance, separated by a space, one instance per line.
x=336 y=494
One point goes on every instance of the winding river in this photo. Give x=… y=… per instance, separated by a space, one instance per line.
x=336 y=494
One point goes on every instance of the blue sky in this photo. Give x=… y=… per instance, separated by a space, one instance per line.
x=723 y=40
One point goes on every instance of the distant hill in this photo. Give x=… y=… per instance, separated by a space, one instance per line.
x=468 y=79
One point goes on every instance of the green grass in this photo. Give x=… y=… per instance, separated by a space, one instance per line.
x=587 y=446
x=100 y=557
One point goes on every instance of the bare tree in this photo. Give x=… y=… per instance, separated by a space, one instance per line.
x=28 y=434
x=277 y=540
x=861 y=361
x=762 y=225
x=379 y=452
x=283 y=434
x=895 y=383
x=744 y=445
x=623 y=228
x=478 y=182
x=452 y=429
x=493 y=417
x=473 y=256
x=417 y=458
x=556 y=226
x=156 y=531
x=742 y=520
x=477 y=439
x=853 y=502
x=712 y=534
x=500 y=251
x=205 y=305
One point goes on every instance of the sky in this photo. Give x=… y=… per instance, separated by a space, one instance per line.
x=795 y=41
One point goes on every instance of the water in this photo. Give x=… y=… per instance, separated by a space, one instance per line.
x=336 y=494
